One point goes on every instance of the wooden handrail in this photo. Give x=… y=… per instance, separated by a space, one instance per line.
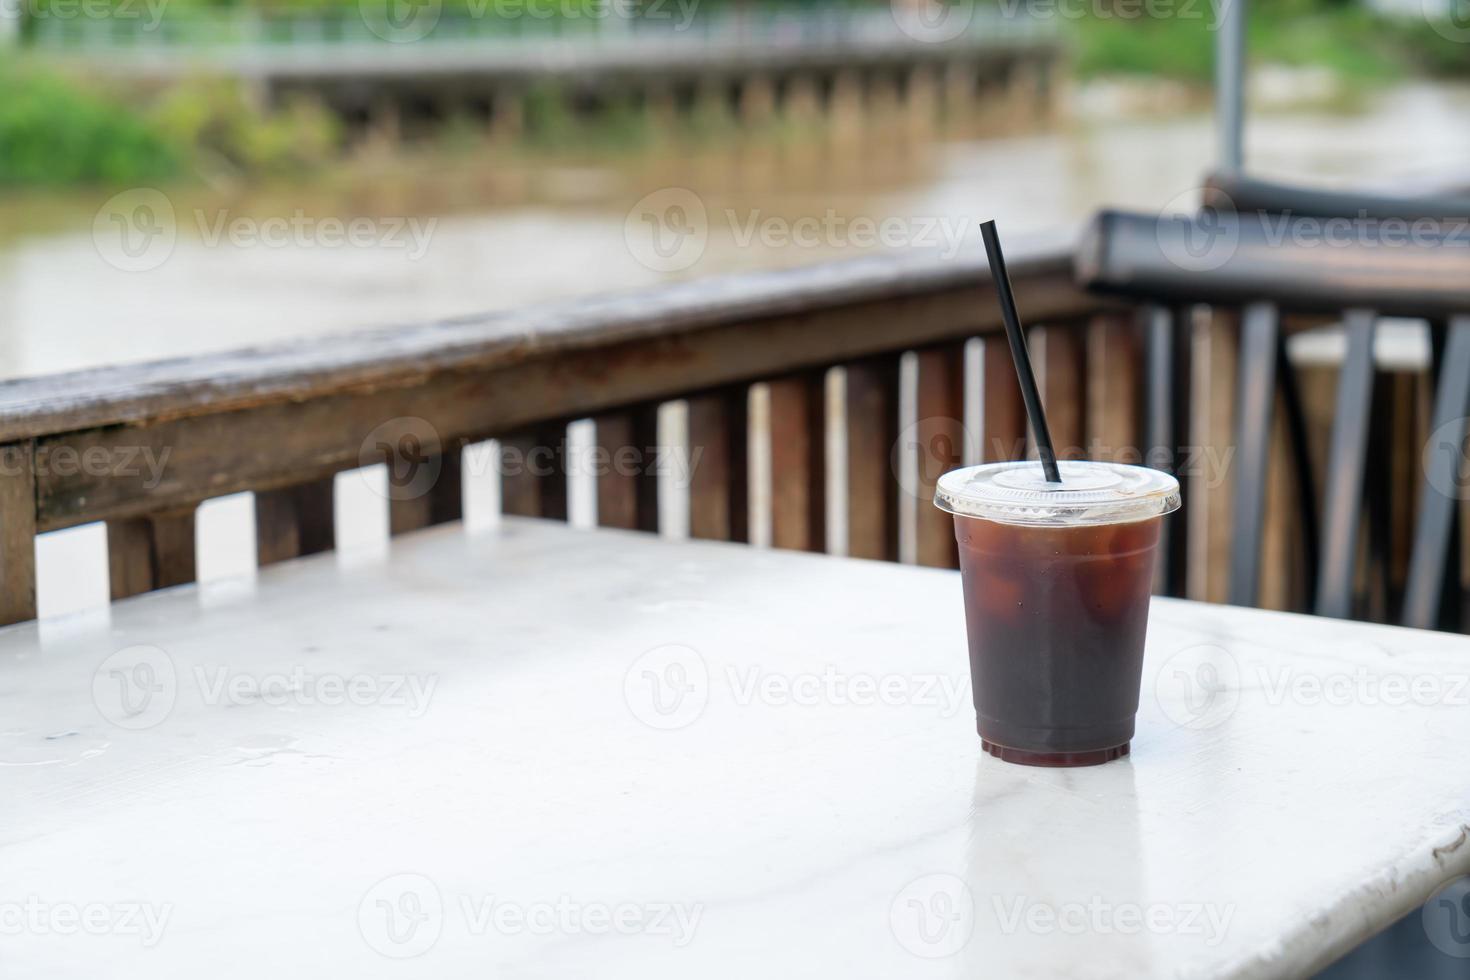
x=931 y=299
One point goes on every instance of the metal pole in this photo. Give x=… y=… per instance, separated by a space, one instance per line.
x=1230 y=84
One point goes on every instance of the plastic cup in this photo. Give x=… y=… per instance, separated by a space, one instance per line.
x=1057 y=579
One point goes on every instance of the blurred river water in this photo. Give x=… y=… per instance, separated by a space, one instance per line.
x=95 y=278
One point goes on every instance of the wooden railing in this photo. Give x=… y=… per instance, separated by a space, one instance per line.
x=282 y=421
x=874 y=376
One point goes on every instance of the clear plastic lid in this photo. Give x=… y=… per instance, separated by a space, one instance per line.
x=1090 y=493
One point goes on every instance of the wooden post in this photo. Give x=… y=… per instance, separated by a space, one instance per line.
x=1057 y=351
x=940 y=419
x=802 y=102
x=151 y=552
x=798 y=462
x=439 y=504
x=719 y=488
x=507 y=114
x=757 y=100
x=1215 y=345
x=1002 y=412
x=17 y=532
x=923 y=100
x=533 y=477
x=294 y=521
x=627 y=487
x=871 y=418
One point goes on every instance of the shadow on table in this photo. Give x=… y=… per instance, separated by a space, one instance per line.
x=1432 y=943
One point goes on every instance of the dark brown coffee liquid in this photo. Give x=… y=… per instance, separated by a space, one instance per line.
x=1056 y=620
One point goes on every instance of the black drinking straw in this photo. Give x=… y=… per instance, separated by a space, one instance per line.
x=1019 y=356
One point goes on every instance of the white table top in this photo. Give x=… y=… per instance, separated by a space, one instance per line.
x=500 y=795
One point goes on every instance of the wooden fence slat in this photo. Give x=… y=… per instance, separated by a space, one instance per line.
x=1254 y=429
x=627 y=486
x=440 y=503
x=1113 y=384
x=1002 y=411
x=872 y=436
x=798 y=462
x=1214 y=349
x=294 y=521
x=1062 y=377
x=1347 y=461
x=719 y=482
x=533 y=478
x=17 y=533
x=153 y=552
x=940 y=416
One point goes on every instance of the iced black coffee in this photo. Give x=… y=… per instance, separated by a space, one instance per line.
x=1057 y=580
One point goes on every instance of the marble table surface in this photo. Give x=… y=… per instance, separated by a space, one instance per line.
x=544 y=752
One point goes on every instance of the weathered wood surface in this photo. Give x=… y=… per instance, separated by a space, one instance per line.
x=718 y=329
x=260 y=432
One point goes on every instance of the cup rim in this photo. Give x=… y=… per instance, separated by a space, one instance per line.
x=1092 y=492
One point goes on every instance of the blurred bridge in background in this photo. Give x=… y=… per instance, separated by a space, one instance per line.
x=401 y=70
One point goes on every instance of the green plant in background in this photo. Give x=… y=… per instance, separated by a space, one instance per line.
x=55 y=132
x=1357 y=44
x=224 y=130
x=59 y=130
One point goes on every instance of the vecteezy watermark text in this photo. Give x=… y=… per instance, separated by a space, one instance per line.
x=1206 y=239
x=404 y=915
x=1098 y=917
x=137 y=687
x=1117 y=9
x=752 y=685
x=119 y=462
x=136 y=230
x=406 y=21
x=299 y=686
x=1362 y=686
x=414 y=454
x=148 y=11
x=670 y=686
x=34 y=916
x=669 y=229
